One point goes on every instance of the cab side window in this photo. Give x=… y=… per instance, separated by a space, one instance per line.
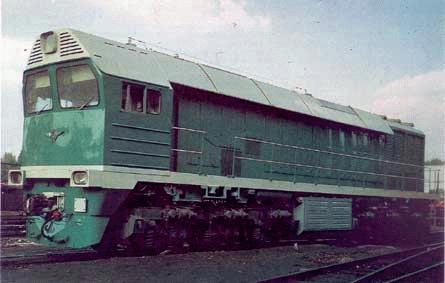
x=132 y=98
x=342 y=140
x=153 y=101
x=140 y=99
x=354 y=139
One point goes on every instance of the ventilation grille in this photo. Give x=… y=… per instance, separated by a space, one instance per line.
x=36 y=53
x=337 y=107
x=68 y=45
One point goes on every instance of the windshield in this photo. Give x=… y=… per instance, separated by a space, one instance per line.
x=38 y=93
x=77 y=87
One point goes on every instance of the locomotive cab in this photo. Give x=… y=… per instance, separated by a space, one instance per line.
x=64 y=115
x=64 y=108
x=80 y=119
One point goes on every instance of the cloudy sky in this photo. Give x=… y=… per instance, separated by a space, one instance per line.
x=382 y=56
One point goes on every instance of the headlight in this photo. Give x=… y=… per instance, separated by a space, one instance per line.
x=48 y=42
x=15 y=177
x=80 y=177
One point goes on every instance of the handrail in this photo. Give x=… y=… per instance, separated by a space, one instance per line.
x=189 y=130
x=200 y=153
x=295 y=164
x=329 y=152
x=325 y=168
x=436 y=182
x=185 y=150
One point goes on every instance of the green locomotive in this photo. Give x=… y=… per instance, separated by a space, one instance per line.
x=130 y=147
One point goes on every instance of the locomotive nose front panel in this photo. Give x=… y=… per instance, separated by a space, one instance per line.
x=64 y=138
x=63 y=216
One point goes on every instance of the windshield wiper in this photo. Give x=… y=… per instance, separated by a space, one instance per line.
x=43 y=108
x=86 y=103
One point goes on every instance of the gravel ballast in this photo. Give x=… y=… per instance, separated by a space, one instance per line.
x=216 y=266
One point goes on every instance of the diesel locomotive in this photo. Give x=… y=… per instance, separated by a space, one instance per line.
x=130 y=148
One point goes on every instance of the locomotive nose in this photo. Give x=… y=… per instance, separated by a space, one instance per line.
x=64 y=138
x=54 y=134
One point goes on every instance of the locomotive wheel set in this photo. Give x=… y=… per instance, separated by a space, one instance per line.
x=134 y=149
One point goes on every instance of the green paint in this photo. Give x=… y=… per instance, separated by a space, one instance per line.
x=80 y=231
x=222 y=119
x=222 y=104
x=127 y=61
x=81 y=141
x=80 y=132
x=77 y=230
x=132 y=138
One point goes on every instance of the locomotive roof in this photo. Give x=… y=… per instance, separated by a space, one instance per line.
x=128 y=61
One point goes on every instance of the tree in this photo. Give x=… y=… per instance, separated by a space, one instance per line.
x=435 y=161
x=9 y=161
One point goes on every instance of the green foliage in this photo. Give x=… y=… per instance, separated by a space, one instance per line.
x=435 y=161
x=9 y=161
x=9 y=157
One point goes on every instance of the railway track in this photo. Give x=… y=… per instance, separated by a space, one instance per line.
x=54 y=256
x=12 y=224
x=40 y=257
x=402 y=266
x=50 y=257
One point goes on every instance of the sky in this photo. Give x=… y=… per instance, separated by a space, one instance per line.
x=386 y=57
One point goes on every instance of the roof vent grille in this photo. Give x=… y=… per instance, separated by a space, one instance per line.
x=68 y=45
x=36 y=55
x=334 y=106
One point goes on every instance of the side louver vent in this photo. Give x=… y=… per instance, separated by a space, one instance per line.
x=36 y=53
x=68 y=45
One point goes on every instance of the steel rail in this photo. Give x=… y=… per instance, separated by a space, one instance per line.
x=417 y=272
x=89 y=254
x=305 y=275
x=50 y=257
x=379 y=274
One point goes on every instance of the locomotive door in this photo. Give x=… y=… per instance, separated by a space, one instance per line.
x=141 y=131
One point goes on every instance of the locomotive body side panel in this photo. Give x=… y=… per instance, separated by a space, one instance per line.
x=267 y=143
x=136 y=137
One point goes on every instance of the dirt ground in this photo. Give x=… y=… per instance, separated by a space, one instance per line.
x=219 y=266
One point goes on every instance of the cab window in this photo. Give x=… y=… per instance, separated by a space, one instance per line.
x=153 y=102
x=38 y=93
x=77 y=87
x=140 y=99
x=354 y=139
x=342 y=140
x=132 y=98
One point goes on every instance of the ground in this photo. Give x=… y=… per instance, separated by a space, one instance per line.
x=219 y=266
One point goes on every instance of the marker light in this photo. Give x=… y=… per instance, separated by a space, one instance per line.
x=15 y=177
x=80 y=177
